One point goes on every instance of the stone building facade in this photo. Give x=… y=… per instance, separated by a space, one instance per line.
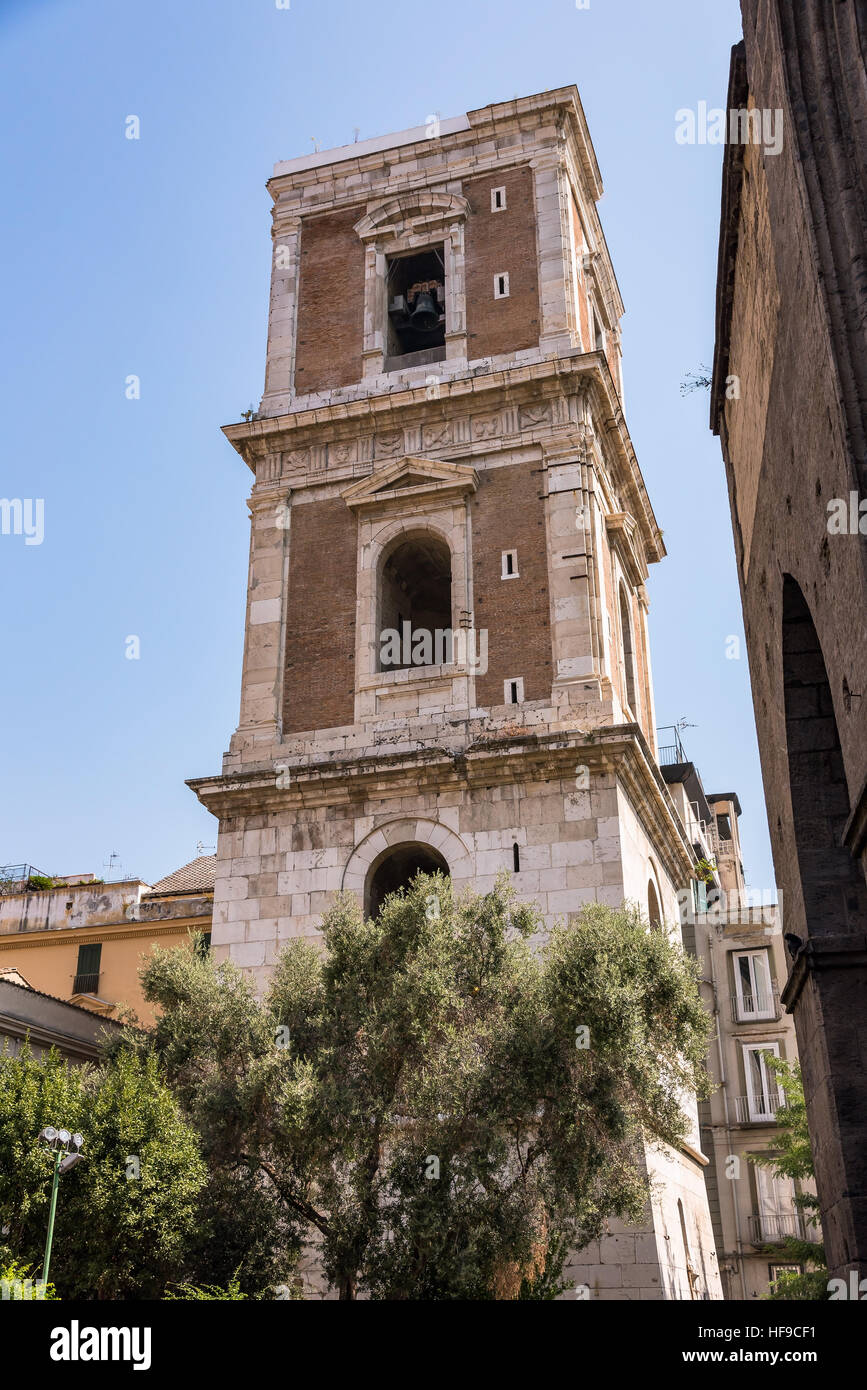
x=441 y=448
x=789 y=402
x=736 y=935
x=84 y=940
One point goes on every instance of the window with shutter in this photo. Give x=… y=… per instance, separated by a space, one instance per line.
x=88 y=969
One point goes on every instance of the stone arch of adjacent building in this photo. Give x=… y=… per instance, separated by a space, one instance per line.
x=835 y=897
x=402 y=835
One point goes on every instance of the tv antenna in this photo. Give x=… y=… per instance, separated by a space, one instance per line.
x=111 y=864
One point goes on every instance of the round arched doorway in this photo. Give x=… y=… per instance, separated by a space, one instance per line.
x=395 y=868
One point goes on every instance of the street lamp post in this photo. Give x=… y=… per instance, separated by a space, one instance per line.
x=66 y=1148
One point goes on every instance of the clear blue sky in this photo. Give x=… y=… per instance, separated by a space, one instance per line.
x=152 y=257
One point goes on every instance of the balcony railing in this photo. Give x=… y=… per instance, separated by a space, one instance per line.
x=736 y=909
x=670 y=748
x=759 y=1110
x=15 y=877
x=758 y=1007
x=774 y=1227
x=85 y=984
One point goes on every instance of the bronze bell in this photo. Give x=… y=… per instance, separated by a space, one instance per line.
x=425 y=314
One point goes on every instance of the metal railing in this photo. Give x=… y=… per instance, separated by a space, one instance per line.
x=15 y=877
x=775 y=1226
x=670 y=751
x=759 y=1007
x=86 y=984
x=759 y=1110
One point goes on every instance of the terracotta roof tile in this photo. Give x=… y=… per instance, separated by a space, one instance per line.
x=195 y=877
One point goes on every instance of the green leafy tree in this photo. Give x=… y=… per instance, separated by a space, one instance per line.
x=793 y=1158
x=206 y=1293
x=18 y=1281
x=127 y=1214
x=216 y=1047
x=443 y=1110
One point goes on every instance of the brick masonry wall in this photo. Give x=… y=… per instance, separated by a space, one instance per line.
x=508 y=514
x=495 y=242
x=318 y=689
x=330 y=302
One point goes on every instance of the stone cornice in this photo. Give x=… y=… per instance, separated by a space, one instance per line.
x=491 y=760
x=500 y=119
x=837 y=951
x=89 y=936
x=261 y=442
x=260 y=436
x=732 y=181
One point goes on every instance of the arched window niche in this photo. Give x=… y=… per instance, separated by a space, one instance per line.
x=414 y=603
x=628 y=648
x=654 y=910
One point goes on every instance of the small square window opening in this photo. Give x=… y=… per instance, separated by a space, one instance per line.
x=501 y=285
x=510 y=565
x=513 y=691
x=498 y=200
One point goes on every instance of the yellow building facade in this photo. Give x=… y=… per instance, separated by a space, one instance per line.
x=84 y=941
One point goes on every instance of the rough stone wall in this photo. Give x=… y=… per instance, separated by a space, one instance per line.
x=330 y=302
x=796 y=430
x=277 y=875
x=501 y=241
x=793 y=441
x=319 y=683
x=648 y=1262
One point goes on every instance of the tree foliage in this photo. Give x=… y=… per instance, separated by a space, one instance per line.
x=793 y=1158
x=115 y=1236
x=440 y=1108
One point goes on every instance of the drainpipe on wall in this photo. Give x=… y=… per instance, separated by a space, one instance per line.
x=727 y=1122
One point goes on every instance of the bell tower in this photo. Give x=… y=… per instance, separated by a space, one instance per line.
x=447 y=660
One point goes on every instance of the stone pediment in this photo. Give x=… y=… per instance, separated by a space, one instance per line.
x=411 y=477
x=413 y=210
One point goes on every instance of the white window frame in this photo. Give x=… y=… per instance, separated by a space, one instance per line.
x=501 y=206
x=518 y=682
x=505 y=573
x=776 y=1204
x=760 y=991
x=756 y=1108
x=501 y=276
